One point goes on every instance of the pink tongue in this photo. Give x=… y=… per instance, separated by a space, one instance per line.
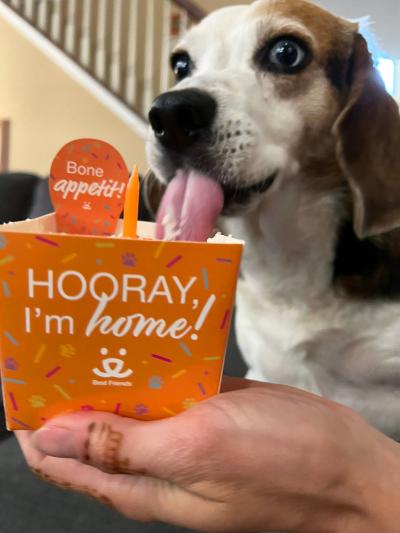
x=190 y=208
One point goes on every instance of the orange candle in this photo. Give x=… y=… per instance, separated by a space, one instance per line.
x=131 y=207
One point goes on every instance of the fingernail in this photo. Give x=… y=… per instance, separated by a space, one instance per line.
x=55 y=441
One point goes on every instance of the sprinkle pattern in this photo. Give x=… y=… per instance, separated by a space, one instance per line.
x=159 y=250
x=46 y=241
x=61 y=391
x=53 y=371
x=225 y=319
x=179 y=374
x=13 y=401
x=6 y=289
x=6 y=260
x=20 y=423
x=39 y=354
x=161 y=358
x=185 y=349
x=204 y=273
x=69 y=258
x=8 y=336
x=174 y=261
x=15 y=381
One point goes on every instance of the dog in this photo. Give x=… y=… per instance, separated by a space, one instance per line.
x=278 y=104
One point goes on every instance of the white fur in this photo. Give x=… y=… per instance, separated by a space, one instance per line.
x=291 y=326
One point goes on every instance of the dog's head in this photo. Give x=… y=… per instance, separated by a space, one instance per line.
x=264 y=89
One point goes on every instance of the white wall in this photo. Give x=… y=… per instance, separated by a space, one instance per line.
x=384 y=14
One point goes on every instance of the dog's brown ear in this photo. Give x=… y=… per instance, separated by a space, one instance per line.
x=368 y=148
x=152 y=191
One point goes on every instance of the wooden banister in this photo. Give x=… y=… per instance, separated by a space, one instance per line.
x=194 y=11
x=123 y=44
x=4 y=145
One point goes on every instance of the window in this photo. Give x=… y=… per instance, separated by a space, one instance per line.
x=388 y=69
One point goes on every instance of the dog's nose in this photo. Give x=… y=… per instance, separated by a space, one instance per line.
x=181 y=118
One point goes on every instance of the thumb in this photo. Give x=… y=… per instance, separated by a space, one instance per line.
x=117 y=445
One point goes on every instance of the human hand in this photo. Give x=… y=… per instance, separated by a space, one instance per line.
x=258 y=457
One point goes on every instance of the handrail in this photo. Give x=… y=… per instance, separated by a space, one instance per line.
x=122 y=44
x=194 y=11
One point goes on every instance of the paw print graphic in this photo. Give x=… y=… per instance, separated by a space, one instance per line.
x=11 y=364
x=188 y=403
x=128 y=259
x=140 y=409
x=37 y=401
x=3 y=242
x=155 y=382
x=67 y=350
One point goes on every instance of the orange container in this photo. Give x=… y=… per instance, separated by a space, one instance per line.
x=133 y=327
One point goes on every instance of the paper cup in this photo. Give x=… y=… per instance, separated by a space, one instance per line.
x=134 y=327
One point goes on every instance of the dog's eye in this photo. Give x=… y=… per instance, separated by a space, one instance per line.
x=286 y=55
x=182 y=65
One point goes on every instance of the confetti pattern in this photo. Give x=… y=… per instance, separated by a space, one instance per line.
x=185 y=349
x=40 y=353
x=6 y=289
x=174 y=261
x=20 y=423
x=201 y=387
x=69 y=258
x=53 y=371
x=225 y=319
x=179 y=374
x=8 y=335
x=15 y=381
x=13 y=401
x=159 y=250
x=46 y=241
x=6 y=260
x=204 y=273
x=61 y=391
x=161 y=358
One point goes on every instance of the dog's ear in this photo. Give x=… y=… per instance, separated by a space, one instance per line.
x=152 y=191
x=368 y=146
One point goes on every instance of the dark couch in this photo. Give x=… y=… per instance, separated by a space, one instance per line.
x=27 y=504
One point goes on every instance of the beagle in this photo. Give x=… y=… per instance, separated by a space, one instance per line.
x=280 y=127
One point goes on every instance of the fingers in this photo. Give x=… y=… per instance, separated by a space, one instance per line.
x=136 y=496
x=115 y=444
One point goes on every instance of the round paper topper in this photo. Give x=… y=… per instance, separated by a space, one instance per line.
x=88 y=180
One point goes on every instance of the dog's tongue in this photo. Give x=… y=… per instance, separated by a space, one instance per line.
x=190 y=208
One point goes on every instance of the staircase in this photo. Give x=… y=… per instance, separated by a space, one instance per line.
x=118 y=49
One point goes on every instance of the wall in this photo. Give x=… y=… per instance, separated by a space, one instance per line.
x=47 y=108
x=209 y=5
x=385 y=16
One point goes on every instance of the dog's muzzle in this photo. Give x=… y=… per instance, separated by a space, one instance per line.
x=180 y=119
